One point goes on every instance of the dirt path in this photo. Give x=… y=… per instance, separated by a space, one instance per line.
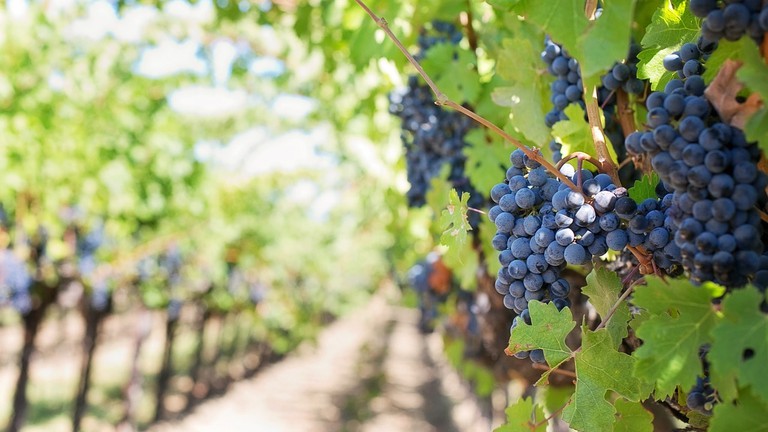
x=371 y=371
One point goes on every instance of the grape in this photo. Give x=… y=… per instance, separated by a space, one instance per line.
x=575 y=254
x=617 y=239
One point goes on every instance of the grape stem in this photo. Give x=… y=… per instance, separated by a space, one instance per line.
x=762 y=214
x=615 y=306
x=562 y=372
x=466 y=19
x=581 y=156
x=593 y=115
x=551 y=416
x=625 y=112
x=442 y=100
x=590 y=8
x=475 y=210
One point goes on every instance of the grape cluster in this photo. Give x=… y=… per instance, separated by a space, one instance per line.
x=712 y=170
x=87 y=245
x=689 y=59
x=731 y=20
x=443 y=32
x=428 y=299
x=100 y=297
x=567 y=88
x=433 y=137
x=702 y=396
x=542 y=225
x=15 y=282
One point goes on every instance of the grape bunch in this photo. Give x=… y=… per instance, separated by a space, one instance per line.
x=101 y=297
x=689 y=59
x=567 y=88
x=702 y=396
x=543 y=225
x=433 y=137
x=15 y=282
x=712 y=170
x=87 y=245
x=732 y=19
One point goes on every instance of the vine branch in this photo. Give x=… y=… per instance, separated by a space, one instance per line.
x=615 y=307
x=471 y=34
x=593 y=115
x=442 y=100
x=555 y=371
x=625 y=112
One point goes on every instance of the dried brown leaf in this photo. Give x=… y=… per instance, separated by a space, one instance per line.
x=722 y=92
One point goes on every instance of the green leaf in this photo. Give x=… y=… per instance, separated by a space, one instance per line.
x=486 y=156
x=554 y=398
x=574 y=134
x=644 y=188
x=726 y=50
x=547 y=331
x=671 y=26
x=527 y=89
x=756 y=128
x=454 y=221
x=607 y=41
x=680 y=320
x=650 y=66
x=739 y=349
x=632 y=417
x=599 y=368
x=460 y=256
x=452 y=69
x=749 y=414
x=603 y=289
x=562 y=20
x=523 y=416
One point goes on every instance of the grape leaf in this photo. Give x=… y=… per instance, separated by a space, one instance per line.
x=554 y=398
x=671 y=26
x=487 y=231
x=523 y=416
x=485 y=157
x=749 y=414
x=454 y=221
x=452 y=69
x=607 y=39
x=650 y=66
x=525 y=93
x=644 y=188
x=600 y=368
x=460 y=257
x=756 y=129
x=562 y=20
x=575 y=134
x=632 y=417
x=739 y=349
x=603 y=289
x=726 y=50
x=680 y=320
x=547 y=332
